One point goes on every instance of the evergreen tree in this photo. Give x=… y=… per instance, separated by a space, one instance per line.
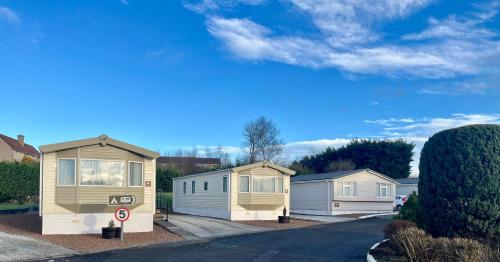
x=459 y=184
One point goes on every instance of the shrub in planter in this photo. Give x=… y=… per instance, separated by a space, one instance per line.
x=109 y=232
x=284 y=219
x=397 y=225
x=459 y=183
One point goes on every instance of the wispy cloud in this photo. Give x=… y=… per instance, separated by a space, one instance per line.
x=207 y=6
x=9 y=15
x=124 y=2
x=251 y=41
x=348 y=42
x=453 y=27
x=347 y=22
x=419 y=130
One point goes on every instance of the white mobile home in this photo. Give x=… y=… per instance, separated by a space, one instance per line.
x=343 y=192
x=407 y=186
x=258 y=191
x=78 y=177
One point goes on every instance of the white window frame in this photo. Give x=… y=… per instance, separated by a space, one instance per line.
x=278 y=185
x=352 y=189
x=142 y=173
x=193 y=187
x=275 y=185
x=57 y=172
x=224 y=184
x=249 y=185
x=104 y=160
x=386 y=185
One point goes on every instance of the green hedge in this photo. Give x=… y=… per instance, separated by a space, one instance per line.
x=459 y=183
x=18 y=181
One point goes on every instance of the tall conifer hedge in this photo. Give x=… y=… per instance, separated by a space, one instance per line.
x=459 y=185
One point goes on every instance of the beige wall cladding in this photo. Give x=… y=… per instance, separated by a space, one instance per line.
x=102 y=152
x=254 y=201
x=361 y=206
x=366 y=184
x=78 y=199
x=69 y=153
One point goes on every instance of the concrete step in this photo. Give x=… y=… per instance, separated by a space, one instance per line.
x=159 y=217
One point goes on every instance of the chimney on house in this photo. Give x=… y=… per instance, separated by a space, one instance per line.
x=20 y=140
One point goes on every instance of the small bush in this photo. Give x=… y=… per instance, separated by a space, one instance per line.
x=418 y=246
x=397 y=225
x=409 y=210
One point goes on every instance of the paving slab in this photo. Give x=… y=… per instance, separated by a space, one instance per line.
x=205 y=227
x=16 y=247
x=324 y=219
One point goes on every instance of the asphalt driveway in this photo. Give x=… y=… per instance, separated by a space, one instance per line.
x=210 y=227
x=348 y=241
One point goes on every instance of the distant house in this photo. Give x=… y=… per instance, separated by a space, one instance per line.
x=15 y=150
x=407 y=185
x=188 y=165
x=342 y=192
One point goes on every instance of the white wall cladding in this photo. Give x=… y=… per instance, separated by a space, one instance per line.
x=91 y=223
x=309 y=196
x=213 y=200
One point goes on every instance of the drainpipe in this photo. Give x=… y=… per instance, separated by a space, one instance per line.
x=40 y=187
x=229 y=191
x=329 y=197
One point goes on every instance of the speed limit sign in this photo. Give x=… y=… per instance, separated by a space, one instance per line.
x=122 y=214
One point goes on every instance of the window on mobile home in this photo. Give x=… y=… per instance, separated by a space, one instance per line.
x=224 y=184
x=66 y=172
x=135 y=174
x=264 y=184
x=193 y=187
x=244 y=184
x=102 y=173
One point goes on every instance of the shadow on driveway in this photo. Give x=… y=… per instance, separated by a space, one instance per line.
x=347 y=241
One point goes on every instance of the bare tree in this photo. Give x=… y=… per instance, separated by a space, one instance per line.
x=261 y=140
x=225 y=158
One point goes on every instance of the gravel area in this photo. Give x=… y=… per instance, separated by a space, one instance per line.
x=294 y=223
x=30 y=225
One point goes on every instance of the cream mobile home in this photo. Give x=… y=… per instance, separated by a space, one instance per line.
x=343 y=192
x=253 y=192
x=78 y=177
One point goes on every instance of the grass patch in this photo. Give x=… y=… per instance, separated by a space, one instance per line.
x=10 y=206
x=165 y=198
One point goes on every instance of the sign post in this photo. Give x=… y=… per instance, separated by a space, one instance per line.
x=122 y=214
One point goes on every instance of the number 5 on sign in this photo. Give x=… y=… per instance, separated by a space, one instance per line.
x=122 y=214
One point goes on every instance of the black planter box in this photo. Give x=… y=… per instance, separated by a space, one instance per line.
x=108 y=233
x=118 y=232
x=284 y=219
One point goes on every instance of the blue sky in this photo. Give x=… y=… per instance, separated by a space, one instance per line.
x=169 y=74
